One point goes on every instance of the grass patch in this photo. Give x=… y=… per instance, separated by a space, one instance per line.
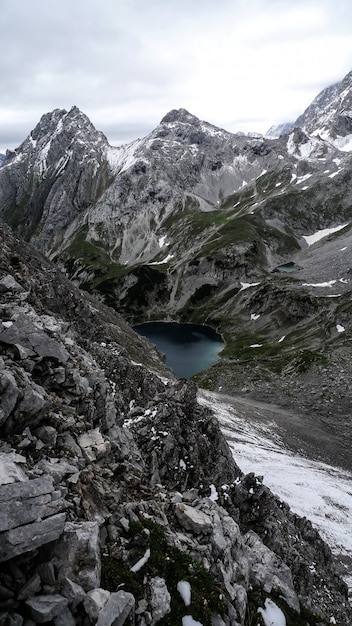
x=169 y=563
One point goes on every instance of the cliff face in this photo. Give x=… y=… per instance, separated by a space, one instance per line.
x=116 y=485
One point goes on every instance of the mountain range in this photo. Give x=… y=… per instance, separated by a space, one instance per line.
x=115 y=458
x=244 y=233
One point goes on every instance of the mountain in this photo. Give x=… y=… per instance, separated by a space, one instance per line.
x=2 y=157
x=278 y=130
x=248 y=234
x=330 y=114
x=121 y=501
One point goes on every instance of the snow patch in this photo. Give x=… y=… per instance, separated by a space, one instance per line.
x=247 y=285
x=137 y=566
x=256 y=345
x=254 y=316
x=301 y=179
x=282 y=338
x=184 y=589
x=213 y=493
x=272 y=614
x=166 y=260
x=340 y=329
x=310 y=239
x=162 y=241
x=188 y=620
x=329 y=283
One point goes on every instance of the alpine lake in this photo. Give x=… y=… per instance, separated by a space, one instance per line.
x=188 y=348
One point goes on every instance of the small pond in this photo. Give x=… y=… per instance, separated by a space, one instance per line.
x=188 y=348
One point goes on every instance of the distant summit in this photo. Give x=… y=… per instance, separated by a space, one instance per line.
x=278 y=130
x=330 y=115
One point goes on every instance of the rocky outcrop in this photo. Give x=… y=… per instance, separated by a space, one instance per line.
x=117 y=488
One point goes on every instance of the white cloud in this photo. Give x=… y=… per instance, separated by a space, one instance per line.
x=240 y=65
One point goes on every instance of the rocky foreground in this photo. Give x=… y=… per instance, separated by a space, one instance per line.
x=120 y=500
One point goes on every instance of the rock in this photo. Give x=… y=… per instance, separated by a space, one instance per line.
x=8 y=283
x=192 y=519
x=118 y=609
x=48 y=434
x=93 y=444
x=74 y=593
x=77 y=555
x=24 y=333
x=11 y=468
x=56 y=468
x=160 y=599
x=9 y=393
x=267 y=569
x=94 y=602
x=22 y=504
x=32 y=586
x=65 y=618
x=45 y=608
x=46 y=572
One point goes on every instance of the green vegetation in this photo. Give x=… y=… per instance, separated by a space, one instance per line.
x=169 y=563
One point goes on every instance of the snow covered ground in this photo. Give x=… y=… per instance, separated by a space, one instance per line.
x=320 y=492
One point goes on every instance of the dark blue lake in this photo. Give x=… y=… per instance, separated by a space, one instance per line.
x=189 y=348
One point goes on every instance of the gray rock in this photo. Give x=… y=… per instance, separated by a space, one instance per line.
x=65 y=618
x=24 y=333
x=192 y=519
x=269 y=570
x=74 y=593
x=48 y=434
x=46 y=572
x=32 y=586
x=56 y=468
x=11 y=465
x=8 y=283
x=93 y=444
x=160 y=600
x=45 y=608
x=8 y=395
x=21 y=505
x=24 y=502
x=94 y=602
x=31 y=536
x=119 y=609
x=77 y=555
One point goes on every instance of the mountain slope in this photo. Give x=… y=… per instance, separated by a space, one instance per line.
x=330 y=114
x=112 y=460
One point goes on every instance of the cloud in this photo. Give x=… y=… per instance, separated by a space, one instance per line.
x=125 y=63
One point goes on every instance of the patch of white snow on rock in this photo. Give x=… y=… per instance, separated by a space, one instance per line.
x=310 y=239
x=320 y=492
x=184 y=589
x=272 y=614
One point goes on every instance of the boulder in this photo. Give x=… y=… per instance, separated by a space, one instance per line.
x=77 y=555
x=29 y=516
x=192 y=519
x=45 y=608
x=119 y=610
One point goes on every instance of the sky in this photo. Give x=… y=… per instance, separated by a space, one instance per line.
x=242 y=65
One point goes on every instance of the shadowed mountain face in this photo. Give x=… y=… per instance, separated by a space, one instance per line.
x=247 y=234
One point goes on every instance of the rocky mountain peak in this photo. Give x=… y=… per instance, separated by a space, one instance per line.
x=179 y=115
x=330 y=114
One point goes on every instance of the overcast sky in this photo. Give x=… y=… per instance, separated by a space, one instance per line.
x=242 y=65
